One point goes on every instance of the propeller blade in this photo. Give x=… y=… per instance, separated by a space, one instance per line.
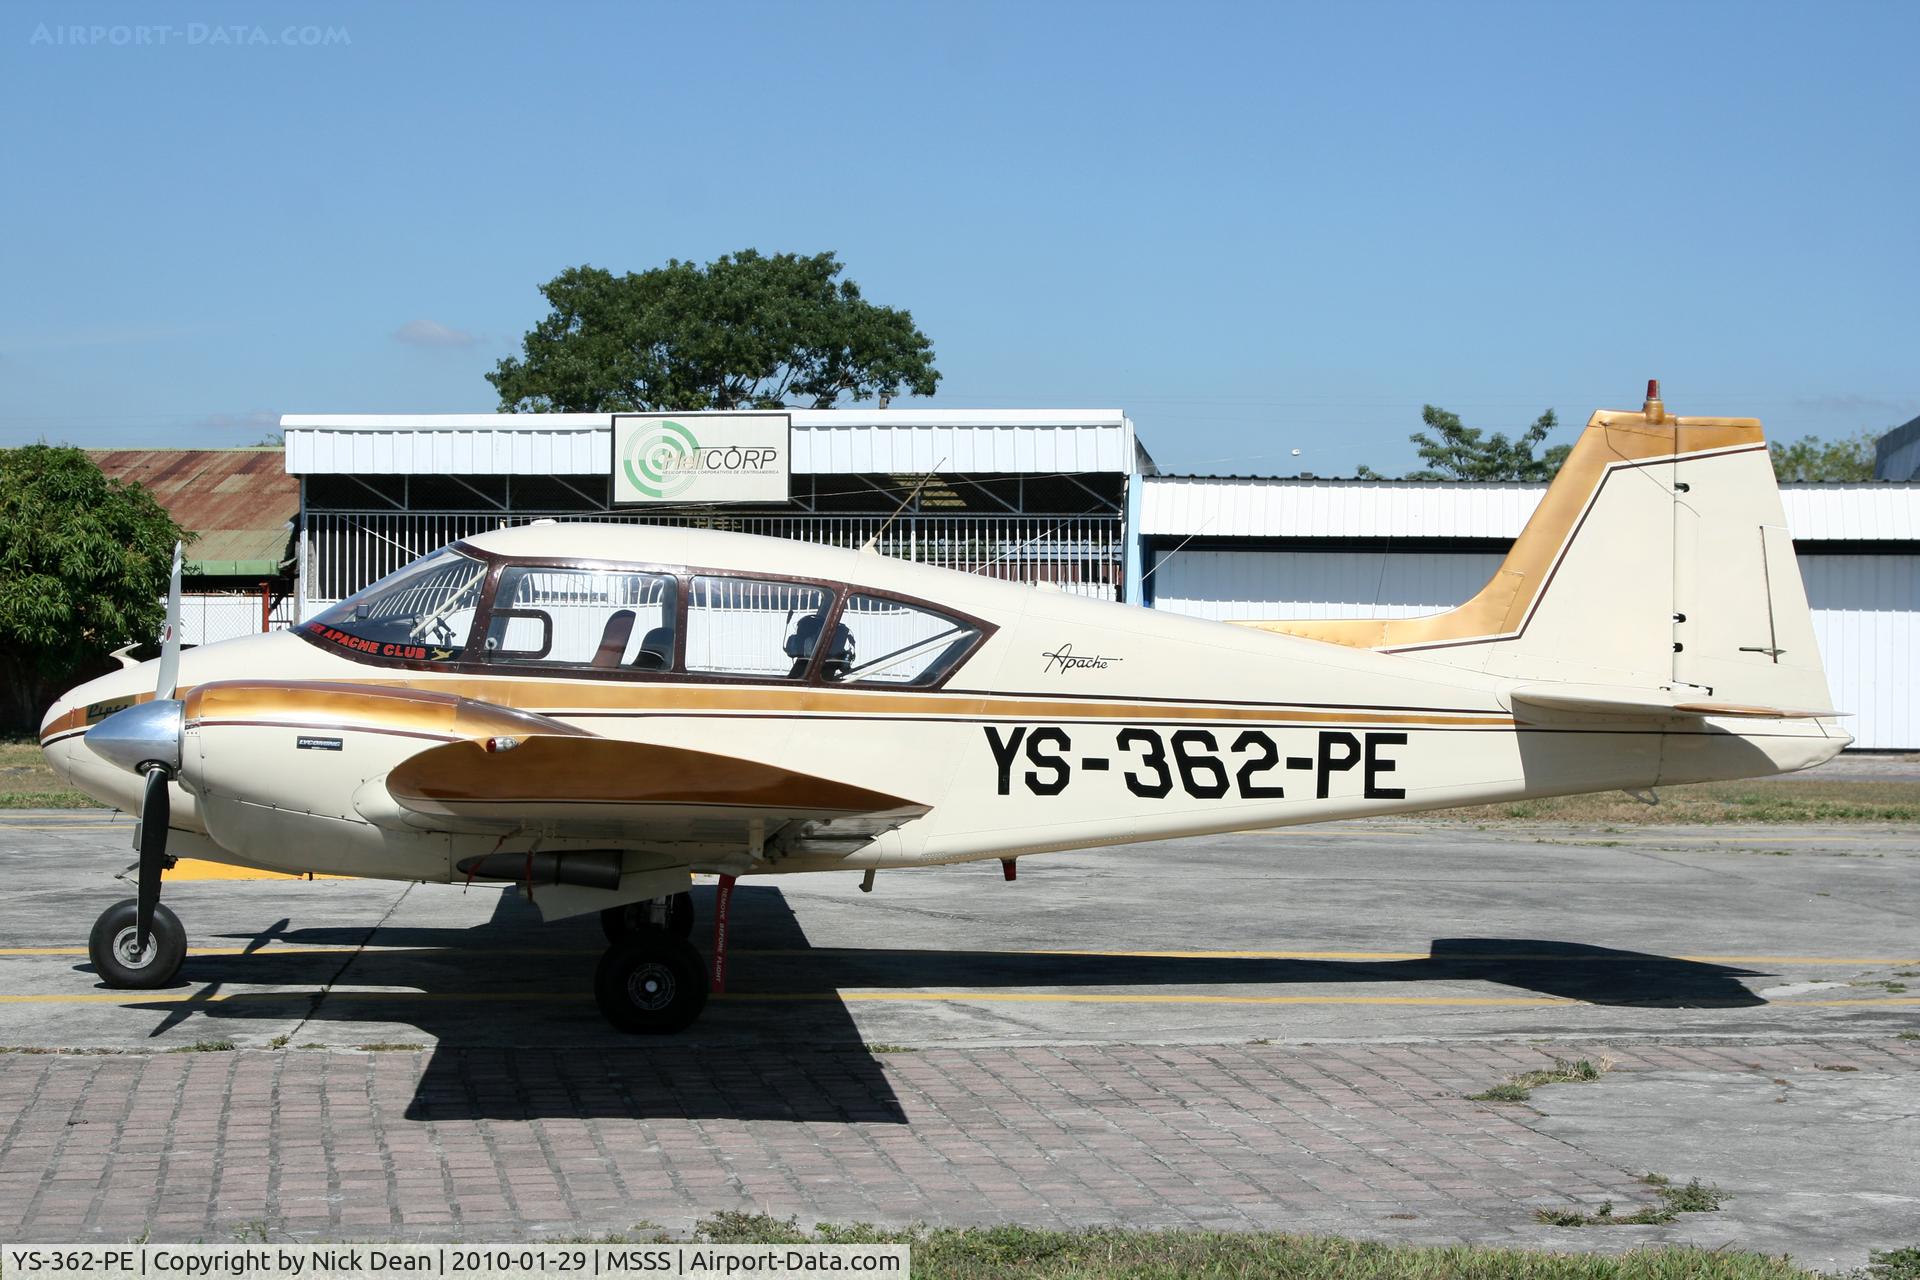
x=155 y=812
x=170 y=634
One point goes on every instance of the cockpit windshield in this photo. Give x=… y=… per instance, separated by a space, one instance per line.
x=421 y=613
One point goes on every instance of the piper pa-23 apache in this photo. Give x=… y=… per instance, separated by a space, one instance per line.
x=598 y=712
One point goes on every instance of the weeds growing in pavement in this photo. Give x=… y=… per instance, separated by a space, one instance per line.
x=1519 y=1088
x=1695 y=1197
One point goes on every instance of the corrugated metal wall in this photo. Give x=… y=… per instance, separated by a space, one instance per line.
x=1260 y=507
x=1866 y=616
x=1315 y=584
x=1866 y=610
x=824 y=442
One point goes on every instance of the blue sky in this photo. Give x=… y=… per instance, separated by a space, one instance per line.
x=1255 y=227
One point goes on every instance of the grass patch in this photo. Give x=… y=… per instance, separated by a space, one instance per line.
x=1894 y=1264
x=877 y=1047
x=1519 y=1088
x=1908 y=1035
x=389 y=1046
x=1110 y=1253
x=205 y=1046
x=34 y=1049
x=1695 y=1197
x=1760 y=801
x=27 y=783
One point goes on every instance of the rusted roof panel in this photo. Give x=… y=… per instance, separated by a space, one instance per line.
x=240 y=502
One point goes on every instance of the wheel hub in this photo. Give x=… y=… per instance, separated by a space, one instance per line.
x=127 y=949
x=651 y=987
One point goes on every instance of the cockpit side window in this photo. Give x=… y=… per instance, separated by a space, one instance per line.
x=421 y=613
x=894 y=642
x=756 y=627
x=599 y=618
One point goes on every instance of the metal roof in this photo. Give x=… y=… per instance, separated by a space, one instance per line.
x=240 y=502
x=1257 y=507
x=825 y=441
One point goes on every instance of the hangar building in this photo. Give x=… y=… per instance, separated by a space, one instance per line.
x=1068 y=497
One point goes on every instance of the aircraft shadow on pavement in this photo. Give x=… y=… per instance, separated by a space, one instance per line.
x=508 y=1005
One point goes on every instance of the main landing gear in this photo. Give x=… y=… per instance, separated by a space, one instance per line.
x=651 y=981
x=673 y=914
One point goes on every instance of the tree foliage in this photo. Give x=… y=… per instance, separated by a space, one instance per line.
x=83 y=570
x=746 y=331
x=1813 y=459
x=1454 y=451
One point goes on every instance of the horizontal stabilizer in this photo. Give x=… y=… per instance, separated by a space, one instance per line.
x=1610 y=700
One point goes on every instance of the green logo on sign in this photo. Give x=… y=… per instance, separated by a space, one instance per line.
x=661 y=460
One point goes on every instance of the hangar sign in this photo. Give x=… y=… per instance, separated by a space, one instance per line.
x=698 y=457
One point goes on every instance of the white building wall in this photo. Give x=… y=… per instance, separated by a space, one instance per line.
x=1866 y=616
x=1866 y=610
x=1224 y=585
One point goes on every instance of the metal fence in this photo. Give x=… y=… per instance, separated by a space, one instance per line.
x=343 y=551
x=210 y=617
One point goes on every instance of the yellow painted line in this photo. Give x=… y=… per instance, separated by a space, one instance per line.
x=135 y=998
x=1082 y=997
x=827 y=953
x=68 y=826
x=333 y=948
x=200 y=869
x=1374 y=955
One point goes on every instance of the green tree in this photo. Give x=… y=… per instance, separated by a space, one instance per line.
x=83 y=570
x=1455 y=451
x=1811 y=458
x=743 y=332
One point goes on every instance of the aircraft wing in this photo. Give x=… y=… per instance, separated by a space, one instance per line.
x=663 y=797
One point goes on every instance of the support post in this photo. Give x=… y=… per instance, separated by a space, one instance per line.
x=266 y=606
x=1133 y=591
x=722 y=903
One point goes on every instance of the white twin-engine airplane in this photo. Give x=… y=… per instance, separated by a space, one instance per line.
x=597 y=712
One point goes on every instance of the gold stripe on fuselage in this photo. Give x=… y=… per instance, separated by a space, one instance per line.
x=310 y=701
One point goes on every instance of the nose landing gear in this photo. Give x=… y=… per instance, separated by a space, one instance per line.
x=118 y=957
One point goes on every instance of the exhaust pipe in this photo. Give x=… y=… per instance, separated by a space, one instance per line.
x=588 y=868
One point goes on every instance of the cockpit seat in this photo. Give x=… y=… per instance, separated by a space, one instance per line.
x=613 y=639
x=806 y=635
x=656 y=651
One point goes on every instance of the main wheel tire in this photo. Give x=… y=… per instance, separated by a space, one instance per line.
x=618 y=922
x=119 y=964
x=650 y=983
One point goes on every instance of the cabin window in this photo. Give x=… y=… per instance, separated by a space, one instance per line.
x=421 y=613
x=606 y=619
x=754 y=627
x=897 y=643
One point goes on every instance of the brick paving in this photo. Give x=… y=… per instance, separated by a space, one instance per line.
x=1371 y=1139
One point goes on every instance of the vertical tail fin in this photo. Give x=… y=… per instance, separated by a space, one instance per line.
x=1658 y=561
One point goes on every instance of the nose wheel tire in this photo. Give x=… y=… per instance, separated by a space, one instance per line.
x=118 y=958
x=618 y=922
x=650 y=983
